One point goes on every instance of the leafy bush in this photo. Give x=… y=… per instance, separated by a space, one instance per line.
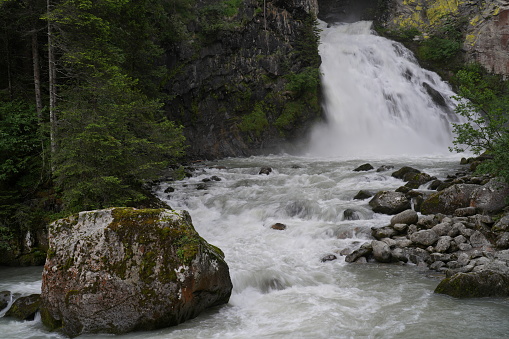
x=437 y=49
x=485 y=104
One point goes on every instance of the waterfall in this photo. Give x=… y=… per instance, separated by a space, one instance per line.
x=377 y=99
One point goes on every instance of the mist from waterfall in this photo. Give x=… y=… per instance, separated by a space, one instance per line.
x=377 y=99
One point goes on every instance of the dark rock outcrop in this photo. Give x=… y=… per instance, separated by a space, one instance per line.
x=121 y=269
x=235 y=76
x=448 y=200
x=364 y=168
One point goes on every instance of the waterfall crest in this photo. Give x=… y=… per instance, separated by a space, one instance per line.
x=377 y=99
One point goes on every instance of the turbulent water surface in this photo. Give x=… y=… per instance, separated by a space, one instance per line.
x=379 y=111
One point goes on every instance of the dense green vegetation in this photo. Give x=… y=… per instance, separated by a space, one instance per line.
x=81 y=122
x=485 y=103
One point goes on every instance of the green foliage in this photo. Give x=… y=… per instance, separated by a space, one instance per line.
x=256 y=121
x=307 y=43
x=485 y=104
x=439 y=49
x=304 y=82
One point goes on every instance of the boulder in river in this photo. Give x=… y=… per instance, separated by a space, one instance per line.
x=400 y=174
x=364 y=168
x=363 y=194
x=485 y=283
x=491 y=197
x=448 y=200
x=121 y=269
x=387 y=202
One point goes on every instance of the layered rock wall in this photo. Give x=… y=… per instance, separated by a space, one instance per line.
x=236 y=83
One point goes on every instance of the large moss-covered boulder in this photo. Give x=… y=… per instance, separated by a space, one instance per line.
x=448 y=200
x=475 y=285
x=119 y=270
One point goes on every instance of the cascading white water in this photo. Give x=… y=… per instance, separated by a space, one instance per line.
x=377 y=97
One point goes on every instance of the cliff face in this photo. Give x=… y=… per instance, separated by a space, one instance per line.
x=485 y=26
x=246 y=80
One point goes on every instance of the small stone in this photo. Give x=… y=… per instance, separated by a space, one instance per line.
x=215 y=178
x=265 y=170
x=465 y=211
x=477 y=239
x=278 y=226
x=400 y=227
x=464 y=247
x=350 y=214
x=407 y=217
x=424 y=237
x=381 y=251
x=443 y=244
x=329 y=257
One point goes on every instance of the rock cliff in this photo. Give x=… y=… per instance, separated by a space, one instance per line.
x=245 y=76
x=121 y=269
x=484 y=26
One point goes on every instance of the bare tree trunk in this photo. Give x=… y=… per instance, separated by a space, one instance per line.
x=52 y=84
x=37 y=74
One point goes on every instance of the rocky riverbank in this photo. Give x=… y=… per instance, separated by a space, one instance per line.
x=462 y=230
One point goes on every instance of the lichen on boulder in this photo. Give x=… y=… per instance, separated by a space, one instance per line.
x=121 y=269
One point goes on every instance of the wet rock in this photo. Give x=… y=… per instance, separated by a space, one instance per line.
x=387 y=202
x=381 y=251
x=400 y=174
x=363 y=194
x=5 y=299
x=398 y=254
x=490 y=198
x=215 y=178
x=475 y=285
x=365 y=250
x=201 y=187
x=24 y=308
x=384 y=168
x=418 y=256
x=278 y=226
x=415 y=180
x=400 y=227
x=169 y=190
x=448 y=200
x=265 y=170
x=406 y=217
x=149 y=264
x=350 y=214
x=442 y=228
x=329 y=257
x=363 y=168
x=424 y=237
x=435 y=184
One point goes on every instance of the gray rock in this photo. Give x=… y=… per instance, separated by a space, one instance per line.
x=502 y=241
x=265 y=170
x=381 y=251
x=400 y=174
x=464 y=247
x=502 y=225
x=387 y=202
x=398 y=254
x=460 y=239
x=400 y=227
x=418 y=256
x=436 y=265
x=475 y=285
x=424 y=237
x=382 y=232
x=442 y=228
x=490 y=198
x=123 y=269
x=384 y=168
x=350 y=214
x=363 y=194
x=477 y=239
x=403 y=243
x=463 y=259
x=365 y=250
x=465 y=211
x=406 y=217
x=443 y=244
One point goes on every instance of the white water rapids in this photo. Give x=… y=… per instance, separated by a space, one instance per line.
x=282 y=289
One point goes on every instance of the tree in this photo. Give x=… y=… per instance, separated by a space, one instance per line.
x=484 y=102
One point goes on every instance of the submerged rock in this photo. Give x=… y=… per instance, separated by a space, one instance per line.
x=364 y=168
x=363 y=194
x=5 y=299
x=121 y=269
x=24 y=308
x=278 y=226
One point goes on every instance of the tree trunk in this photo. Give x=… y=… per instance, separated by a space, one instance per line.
x=52 y=84
x=37 y=74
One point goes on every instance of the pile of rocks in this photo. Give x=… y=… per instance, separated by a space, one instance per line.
x=462 y=231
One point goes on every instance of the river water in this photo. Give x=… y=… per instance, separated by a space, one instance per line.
x=282 y=288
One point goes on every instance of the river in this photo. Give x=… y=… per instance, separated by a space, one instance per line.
x=282 y=288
